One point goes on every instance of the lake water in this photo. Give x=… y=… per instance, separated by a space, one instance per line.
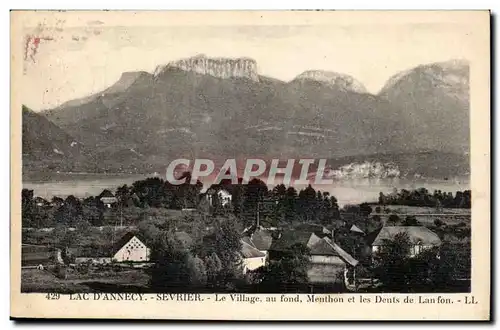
x=346 y=191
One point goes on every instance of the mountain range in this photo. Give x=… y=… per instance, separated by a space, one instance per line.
x=221 y=108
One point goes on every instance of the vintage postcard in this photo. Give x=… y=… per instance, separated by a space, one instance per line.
x=281 y=165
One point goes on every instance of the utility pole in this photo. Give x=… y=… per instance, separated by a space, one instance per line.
x=259 y=203
x=258 y=218
x=121 y=215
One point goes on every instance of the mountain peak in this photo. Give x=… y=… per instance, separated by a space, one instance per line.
x=220 y=67
x=334 y=79
x=452 y=73
x=438 y=93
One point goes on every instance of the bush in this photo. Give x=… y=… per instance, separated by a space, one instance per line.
x=60 y=272
x=197 y=271
x=411 y=221
x=393 y=220
x=438 y=223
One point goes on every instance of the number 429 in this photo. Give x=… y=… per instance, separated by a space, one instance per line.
x=53 y=296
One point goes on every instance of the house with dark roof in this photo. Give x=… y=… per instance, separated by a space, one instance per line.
x=39 y=201
x=329 y=262
x=421 y=238
x=262 y=239
x=107 y=198
x=357 y=230
x=252 y=258
x=319 y=230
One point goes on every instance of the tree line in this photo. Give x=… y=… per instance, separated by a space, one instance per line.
x=422 y=197
x=274 y=206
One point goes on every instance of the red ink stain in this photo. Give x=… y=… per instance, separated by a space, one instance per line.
x=31 y=46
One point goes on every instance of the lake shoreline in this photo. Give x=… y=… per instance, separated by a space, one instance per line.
x=352 y=191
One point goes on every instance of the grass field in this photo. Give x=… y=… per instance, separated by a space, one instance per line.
x=41 y=281
x=427 y=215
x=424 y=209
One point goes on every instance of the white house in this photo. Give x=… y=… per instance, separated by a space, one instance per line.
x=223 y=196
x=252 y=258
x=131 y=248
x=421 y=238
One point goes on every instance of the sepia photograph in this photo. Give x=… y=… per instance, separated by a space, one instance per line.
x=252 y=159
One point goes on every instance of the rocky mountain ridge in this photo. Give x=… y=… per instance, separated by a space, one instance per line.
x=219 y=67
x=334 y=80
x=221 y=108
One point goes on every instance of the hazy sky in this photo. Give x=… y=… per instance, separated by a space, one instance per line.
x=78 y=61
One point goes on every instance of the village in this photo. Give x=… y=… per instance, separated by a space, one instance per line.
x=233 y=241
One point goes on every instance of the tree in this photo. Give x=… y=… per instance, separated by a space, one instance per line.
x=390 y=262
x=93 y=213
x=213 y=267
x=227 y=246
x=393 y=220
x=382 y=199
x=255 y=192
x=279 y=191
x=290 y=204
x=27 y=208
x=197 y=271
x=150 y=192
x=454 y=263
x=365 y=209
x=287 y=273
x=334 y=208
x=401 y=272
x=307 y=203
x=70 y=213
x=438 y=223
x=124 y=196
x=411 y=220
x=170 y=270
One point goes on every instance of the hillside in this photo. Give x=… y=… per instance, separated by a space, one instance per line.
x=220 y=108
x=46 y=145
x=434 y=101
x=186 y=114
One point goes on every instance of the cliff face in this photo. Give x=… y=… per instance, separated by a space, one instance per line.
x=333 y=79
x=216 y=67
